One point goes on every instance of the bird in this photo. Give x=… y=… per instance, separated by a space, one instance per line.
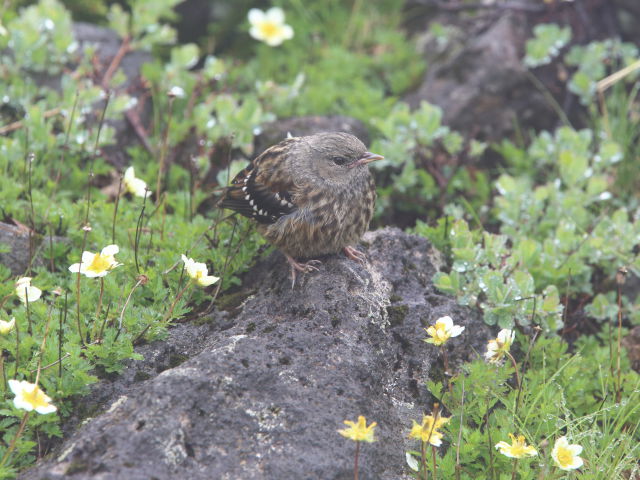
x=309 y=196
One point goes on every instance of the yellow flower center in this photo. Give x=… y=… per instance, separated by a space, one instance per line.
x=565 y=457
x=269 y=29
x=35 y=397
x=100 y=263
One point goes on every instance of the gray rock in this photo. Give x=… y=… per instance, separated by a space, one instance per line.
x=481 y=84
x=23 y=248
x=267 y=392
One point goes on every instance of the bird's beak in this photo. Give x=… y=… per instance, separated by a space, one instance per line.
x=368 y=157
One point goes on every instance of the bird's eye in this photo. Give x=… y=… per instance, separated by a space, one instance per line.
x=339 y=160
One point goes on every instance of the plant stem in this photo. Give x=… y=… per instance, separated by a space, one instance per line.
x=355 y=462
x=487 y=424
x=63 y=320
x=433 y=454
x=620 y=278
x=100 y=297
x=26 y=303
x=115 y=212
x=459 y=445
x=15 y=373
x=86 y=229
x=515 y=466
x=445 y=358
x=515 y=367
x=173 y=305
x=140 y=281
x=423 y=459
x=163 y=151
x=136 y=243
x=12 y=445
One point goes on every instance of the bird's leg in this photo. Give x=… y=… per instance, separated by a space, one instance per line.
x=355 y=255
x=308 y=267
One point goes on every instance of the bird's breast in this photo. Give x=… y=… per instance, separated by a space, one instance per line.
x=327 y=219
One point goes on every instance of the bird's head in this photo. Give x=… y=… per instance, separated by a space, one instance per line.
x=336 y=157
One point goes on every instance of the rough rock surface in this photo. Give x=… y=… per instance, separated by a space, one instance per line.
x=268 y=389
x=21 y=245
x=481 y=83
x=475 y=70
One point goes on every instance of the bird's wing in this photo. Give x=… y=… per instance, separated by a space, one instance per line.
x=264 y=189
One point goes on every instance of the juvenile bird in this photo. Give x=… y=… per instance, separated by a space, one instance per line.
x=309 y=196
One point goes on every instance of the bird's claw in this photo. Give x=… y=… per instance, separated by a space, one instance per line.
x=308 y=267
x=355 y=255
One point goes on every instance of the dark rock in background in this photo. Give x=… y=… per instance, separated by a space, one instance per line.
x=275 y=132
x=264 y=394
x=22 y=246
x=18 y=239
x=477 y=77
x=107 y=43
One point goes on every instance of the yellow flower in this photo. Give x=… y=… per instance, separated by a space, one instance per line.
x=97 y=264
x=359 y=432
x=29 y=397
x=517 y=449
x=428 y=430
x=500 y=346
x=25 y=291
x=6 y=327
x=269 y=26
x=442 y=331
x=198 y=272
x=566 y=456
x=133 y=185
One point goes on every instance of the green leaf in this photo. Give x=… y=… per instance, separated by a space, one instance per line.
x=573 y=167
x=546 y=44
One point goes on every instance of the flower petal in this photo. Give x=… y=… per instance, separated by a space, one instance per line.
x=456 y=330
x=87 y=259
x=14 y=385
x=110 y=250
x=75 y=268
x=129 y=174
x=208 y=280
x=255 y=16
x=275 y=15
x=446 y=322
x=287 y=32
x=23 y=281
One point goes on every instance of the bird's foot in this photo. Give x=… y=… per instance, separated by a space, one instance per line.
x=355 y=255
x=308 y=267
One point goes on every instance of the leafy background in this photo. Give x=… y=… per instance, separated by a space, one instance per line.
x=536 y=228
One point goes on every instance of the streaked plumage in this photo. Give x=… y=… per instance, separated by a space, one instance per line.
x=309 y=196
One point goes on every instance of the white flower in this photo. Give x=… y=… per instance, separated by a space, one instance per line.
x=176 y=91
x=499 y=347
x=6 y=327
x=133 y=185
x=29 y=397
x=198 y=272
x=269 y=26
x=566 y=456
x=97 y=264
x=517 y=449
x=442 y=331
x=25 y=291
